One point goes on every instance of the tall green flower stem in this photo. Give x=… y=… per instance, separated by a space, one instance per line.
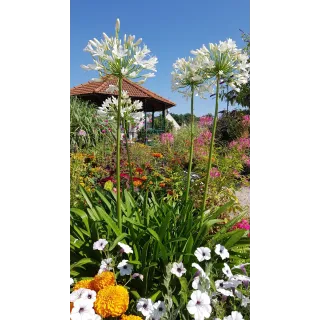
x=191 y=145
x=119 y=214
x=214 y=127
x=126 y=131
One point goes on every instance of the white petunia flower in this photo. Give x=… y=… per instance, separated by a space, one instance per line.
x=125 y=248
x=227 y=284
x=200 y=270
x=159 y=309
x=137 y=275
x=201 y=281
x=240 y=277
x=71 y=281
x=235 y=315
x=221 y=251
x=199 y=305
x=107 y=264
x=88 y=294
x=245 y=301
x=178 y=269
x=225 y=292
x=75 y=295
x=125 y=267
x=145 y=306
x=82 y=310
x=227 y=271
x=203 y=253
x=100 y=244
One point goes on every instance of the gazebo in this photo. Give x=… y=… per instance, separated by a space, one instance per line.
x=95 y=92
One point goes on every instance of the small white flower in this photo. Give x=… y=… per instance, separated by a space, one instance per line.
x=125 y=248
x=240 y=277
x=100 y=244
x=244 y=301
x=125 y=267
x=145 y=306
x=137 y=275
x=199 y=305
x=106 y=264
x=220 y=72
x=71 y=282
x=240 y=266
x=227 y=284
x=124 y=71
x=225 y=292
x=112 y=88
x=203 y=253
x=227 y=271
x=159 y=309
x=88 y=294
x=82 y=310
x=221 y=251
x=178 y=269
x=235 y=315
x=75 y=295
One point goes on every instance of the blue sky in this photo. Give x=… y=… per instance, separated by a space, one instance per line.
x=170 y=29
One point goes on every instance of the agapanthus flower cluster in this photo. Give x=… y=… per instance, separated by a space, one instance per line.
x=189 y=75
x=121 y=58
x=205 y=121
x=130 y=110
x=166 y=138
x=226 y=62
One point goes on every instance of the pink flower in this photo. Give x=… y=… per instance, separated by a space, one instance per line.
x=82 y=133
x=103 y=131
x=243 y=224
x=246 y=120
x=166 y=138
x=240 y=144
x=214 y=173
x=205 y=121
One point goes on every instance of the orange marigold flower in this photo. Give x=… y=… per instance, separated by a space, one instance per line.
x=162 y=184
x=137 y=183
x=150 y=182
x=130 y=317
x=144 y=178
x=86 y=284
x=103 y=280
x=157 y=155
x=112 y=301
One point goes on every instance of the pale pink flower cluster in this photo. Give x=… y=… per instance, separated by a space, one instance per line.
x=166 y=138
x=205 y=121
x=215 y=173
x=246 y=120
x=204 y=138
x=240 y=144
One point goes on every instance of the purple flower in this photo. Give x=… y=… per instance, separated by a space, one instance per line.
x=82 y=133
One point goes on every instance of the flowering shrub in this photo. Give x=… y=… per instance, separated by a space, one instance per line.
x=166 y=138
x=205 y=121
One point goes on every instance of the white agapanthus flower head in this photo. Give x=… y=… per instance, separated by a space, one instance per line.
x=125 y=268
x=225 y=62
x=221 y=251
x=159 y=309
x=178 y=269
x=128 y=108
x=203 y=253
x=82 y=310
x=235 y=315
x=187 y=75
x=199 y=305
x=121 y=58
x=145 y=306
x=100 y=244
x=227 y=271
x=125 y=248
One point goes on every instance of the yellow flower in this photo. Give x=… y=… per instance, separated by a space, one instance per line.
x=112 y=301
x=137 y=183
x=86 y=284
x=103 y=280
x=130 y=317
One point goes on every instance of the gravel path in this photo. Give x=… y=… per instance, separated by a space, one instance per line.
x=244 y=197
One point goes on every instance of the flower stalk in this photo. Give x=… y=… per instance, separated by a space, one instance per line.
x=191 y=145
x=214 y=127
x=128 y=154
x=119 y=214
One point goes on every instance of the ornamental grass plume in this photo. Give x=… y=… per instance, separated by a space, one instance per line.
x=114 y=57
x=112 y=301
x=103 y=280
x=189 y=78
x=224 y=64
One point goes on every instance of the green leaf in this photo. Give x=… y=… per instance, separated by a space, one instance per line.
x=184 y=292
x=109 y=221
x=162 y=248
x=135 y=294
x=83 y=217
x=155 y=295
x=235 y=238
x=119 y=238
x=82 y=262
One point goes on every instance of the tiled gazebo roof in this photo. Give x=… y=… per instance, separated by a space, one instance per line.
x=96 y=92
